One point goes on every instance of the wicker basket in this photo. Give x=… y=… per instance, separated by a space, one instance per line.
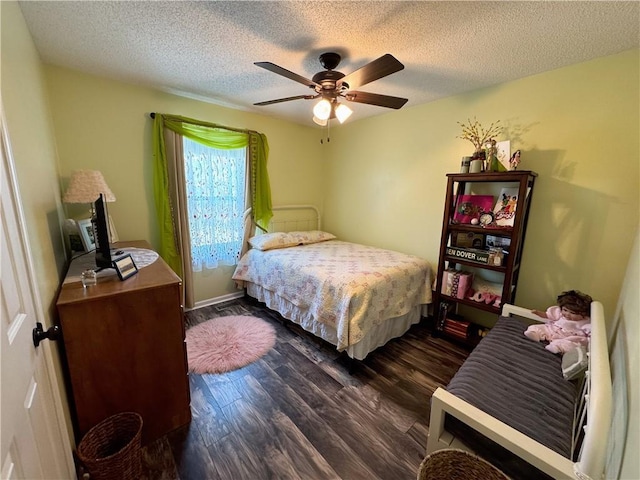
x=111 y=449
x=452 y=464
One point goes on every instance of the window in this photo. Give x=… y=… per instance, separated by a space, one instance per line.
x=215 y=186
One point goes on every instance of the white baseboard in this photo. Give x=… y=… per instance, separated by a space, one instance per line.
x=215 y=301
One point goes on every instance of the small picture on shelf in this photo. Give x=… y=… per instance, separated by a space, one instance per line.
x=470 y=207
x=497 y=242
x=468 y=240
x=504 y=212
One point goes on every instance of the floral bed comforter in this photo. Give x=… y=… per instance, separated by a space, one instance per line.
x=347 y=286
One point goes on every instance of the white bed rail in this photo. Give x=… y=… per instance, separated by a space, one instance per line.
x=598 y=397
x=599 y=400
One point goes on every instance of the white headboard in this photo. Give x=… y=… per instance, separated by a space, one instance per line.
x=290 y=218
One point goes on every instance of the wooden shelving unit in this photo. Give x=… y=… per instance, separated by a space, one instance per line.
x=454 y=258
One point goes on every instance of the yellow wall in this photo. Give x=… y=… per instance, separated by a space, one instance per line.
x=578 y=128
x=382 y=180
x=24 y=95
x=105 y=125
x=32 y=143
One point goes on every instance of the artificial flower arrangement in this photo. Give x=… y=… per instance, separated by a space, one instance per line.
x=477 y=135
x=484 y=142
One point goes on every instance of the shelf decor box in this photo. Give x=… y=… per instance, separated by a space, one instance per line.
x=456 y=283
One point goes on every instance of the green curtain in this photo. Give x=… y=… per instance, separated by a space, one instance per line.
x=214 y=136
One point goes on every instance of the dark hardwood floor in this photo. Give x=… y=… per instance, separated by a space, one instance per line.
x=298 y=413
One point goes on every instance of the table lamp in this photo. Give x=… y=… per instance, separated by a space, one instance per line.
x=85 y=186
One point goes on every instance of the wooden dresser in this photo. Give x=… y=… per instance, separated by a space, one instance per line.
x=124 y=348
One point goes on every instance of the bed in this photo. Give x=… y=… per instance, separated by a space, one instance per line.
x=511 y=404
x=356 y=297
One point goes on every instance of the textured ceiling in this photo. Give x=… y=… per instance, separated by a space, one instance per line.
x=206 y=49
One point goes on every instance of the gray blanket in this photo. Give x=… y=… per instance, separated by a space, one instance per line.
x=517 y=381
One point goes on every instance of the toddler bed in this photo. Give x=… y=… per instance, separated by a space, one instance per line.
x=511 y=404
x=356 y=297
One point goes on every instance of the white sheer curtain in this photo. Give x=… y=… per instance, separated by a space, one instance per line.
x=216 y=193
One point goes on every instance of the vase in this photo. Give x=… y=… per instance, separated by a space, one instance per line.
x=477 y=164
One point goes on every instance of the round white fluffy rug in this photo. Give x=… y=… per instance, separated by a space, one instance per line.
x=227 y=343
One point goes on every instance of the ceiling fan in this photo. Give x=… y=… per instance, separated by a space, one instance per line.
x=329 y=85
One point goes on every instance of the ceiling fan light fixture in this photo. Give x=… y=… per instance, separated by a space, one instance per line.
x=329 y=85
x=322 y=110
x=319 y=121
x=343 y=112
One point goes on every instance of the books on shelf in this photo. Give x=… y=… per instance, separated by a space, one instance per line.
x=504 y=211
x=469 y=207
x=457 y=328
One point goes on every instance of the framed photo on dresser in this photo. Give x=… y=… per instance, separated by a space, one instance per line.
x=125 y=266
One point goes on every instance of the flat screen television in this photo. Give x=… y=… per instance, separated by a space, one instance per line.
x=100 y=223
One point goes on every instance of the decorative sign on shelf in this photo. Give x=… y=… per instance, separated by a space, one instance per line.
x=470 y=254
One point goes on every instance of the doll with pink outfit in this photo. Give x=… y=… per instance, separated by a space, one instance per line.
x=567 y=324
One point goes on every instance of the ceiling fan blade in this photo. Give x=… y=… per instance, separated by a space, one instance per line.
x=375 y=99
x=381 y=67
x=272 y=67
x=287 y=99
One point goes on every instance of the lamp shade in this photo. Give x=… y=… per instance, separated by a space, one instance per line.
x=322 y=110
x=319 y=121
x=343 y=112
x=86 y=186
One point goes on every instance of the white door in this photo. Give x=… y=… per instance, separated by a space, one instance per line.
x=33 y=444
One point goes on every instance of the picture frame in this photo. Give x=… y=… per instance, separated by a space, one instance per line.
x=504 y=153
x=468 y=240
x=85 y=228
x=493 y=241
x=72 y=236
x=125 y=266
x=504 y=211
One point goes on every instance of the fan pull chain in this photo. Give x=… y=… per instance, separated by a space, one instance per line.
x=328 y=138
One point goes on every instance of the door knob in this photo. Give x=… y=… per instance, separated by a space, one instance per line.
x=53 y=333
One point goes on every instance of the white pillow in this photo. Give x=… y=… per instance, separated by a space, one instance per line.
x=270 y=241
x=312 y=236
